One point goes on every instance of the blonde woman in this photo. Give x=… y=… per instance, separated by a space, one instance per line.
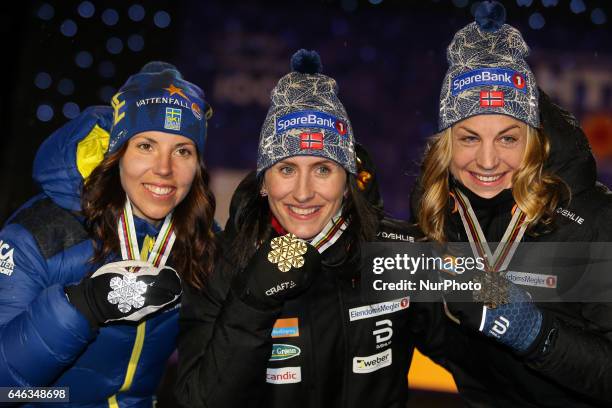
x=508 y=166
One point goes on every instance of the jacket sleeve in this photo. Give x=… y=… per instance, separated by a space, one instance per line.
x=579 y=358
x=578 y=355
x=41 y=333
x=223 y=347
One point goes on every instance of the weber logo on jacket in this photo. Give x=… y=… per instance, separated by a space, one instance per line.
x=364 y=365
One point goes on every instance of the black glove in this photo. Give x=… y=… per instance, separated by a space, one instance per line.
x=282 y=268
x=126 y=290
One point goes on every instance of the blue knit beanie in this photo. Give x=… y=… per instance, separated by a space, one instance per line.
x=158 y=98
x=306 y=118
x=487 y=72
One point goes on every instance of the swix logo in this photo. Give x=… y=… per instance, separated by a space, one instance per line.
x=500 y=326
x=384 y=334
x=7 y=264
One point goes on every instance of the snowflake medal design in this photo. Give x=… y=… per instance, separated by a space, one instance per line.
x=127 y=293
x=287 y=252
x=495 y=289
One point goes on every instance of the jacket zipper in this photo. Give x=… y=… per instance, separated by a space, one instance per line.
x=347 y=357
x=132 y=365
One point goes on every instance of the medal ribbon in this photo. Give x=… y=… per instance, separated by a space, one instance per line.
x=129 y=242
x=330 y=233
x=499 y=260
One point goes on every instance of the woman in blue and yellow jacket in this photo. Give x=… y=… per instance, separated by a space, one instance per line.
x=90 y=272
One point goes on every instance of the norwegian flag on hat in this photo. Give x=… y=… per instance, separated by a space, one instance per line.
x=491 y=99
x=311 y=141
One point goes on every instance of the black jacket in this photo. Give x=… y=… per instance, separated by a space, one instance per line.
x=575 y=367
x=225 y=345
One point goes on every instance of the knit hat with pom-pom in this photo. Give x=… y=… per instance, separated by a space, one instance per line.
x=487 y=72
x=158 y=98
x=306 y=118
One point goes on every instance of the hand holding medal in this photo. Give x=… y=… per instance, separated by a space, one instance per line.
x=125 y=291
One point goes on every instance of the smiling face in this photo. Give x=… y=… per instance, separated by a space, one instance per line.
x=486 y=152
x=304 y=193
x=156 y=171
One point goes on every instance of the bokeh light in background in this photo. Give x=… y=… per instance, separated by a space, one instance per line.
x=71 y=110
x=46 y=12
x=65 y=86
x=44 y=112
x=83 y=59
x=136 y=42
x=536 y=21
x=162 y=19
x=86 y=9
x=68 y=28
x=108 y=44
x=598 y=16
x=42 y=80
x=577 y=6
x=110 y=17
x=136 y=12
x=114 y=45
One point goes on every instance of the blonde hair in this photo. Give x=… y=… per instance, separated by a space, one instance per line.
x=536 y=192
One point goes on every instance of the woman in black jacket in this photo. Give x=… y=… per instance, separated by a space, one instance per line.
x=282 y=322
x=509 y=166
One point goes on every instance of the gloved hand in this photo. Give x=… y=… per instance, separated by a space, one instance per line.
x=515 y=322
x=125 y=290
x=282 y=268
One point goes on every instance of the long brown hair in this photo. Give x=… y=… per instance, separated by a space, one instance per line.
x=193 y=252
x=536 y=192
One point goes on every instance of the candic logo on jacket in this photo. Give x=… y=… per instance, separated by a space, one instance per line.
x=285 y=375
x=7 y=265
x=364 y=365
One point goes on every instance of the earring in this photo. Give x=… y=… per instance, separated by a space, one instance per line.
x=263 y=193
